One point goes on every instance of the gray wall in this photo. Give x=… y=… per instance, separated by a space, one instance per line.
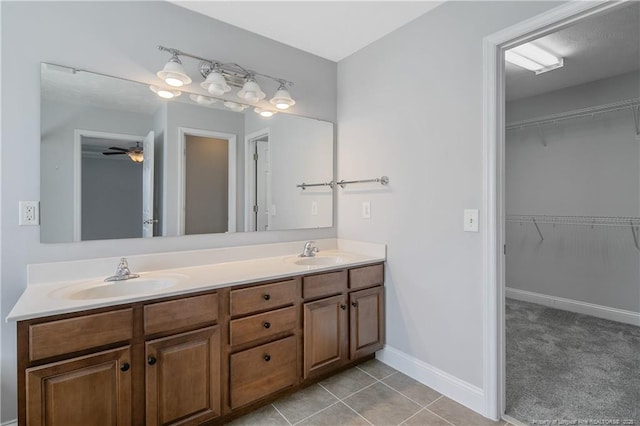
x=590 y=167
x=119 y=39
x=59 y=120
x=111 y=198
x=410 y=107
x=207 y=185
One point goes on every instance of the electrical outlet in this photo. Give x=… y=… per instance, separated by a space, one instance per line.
x=366 y=209
x=29 y=213
x=314 y=208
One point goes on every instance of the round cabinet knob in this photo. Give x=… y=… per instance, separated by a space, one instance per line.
x=151 y=360
x=343 y=307
x=267 y=296
x=125 y=367
x=267 y=324
x=354 y=304
x=267 y=358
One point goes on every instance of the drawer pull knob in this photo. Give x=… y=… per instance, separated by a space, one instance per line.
x=267 y=324
x=151 y=360
x=124 y=367
x=267 y=358
x=343 y=307
x=354 y=304
x=267 y=296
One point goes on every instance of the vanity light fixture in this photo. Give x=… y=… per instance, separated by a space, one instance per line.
x=533 y=58
x=165 y=93
x=220 y=76
x=264 y=112
x=202 y=100
x=173 y=73
x=282 y=99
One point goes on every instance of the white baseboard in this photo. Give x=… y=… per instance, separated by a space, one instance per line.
x=599 y=311
x=465 y=393
x=13 y=422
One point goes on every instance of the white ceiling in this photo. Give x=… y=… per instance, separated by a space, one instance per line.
x=603 y=46
x=329 y=29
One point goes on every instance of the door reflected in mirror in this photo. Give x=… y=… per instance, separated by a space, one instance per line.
x=204 y=168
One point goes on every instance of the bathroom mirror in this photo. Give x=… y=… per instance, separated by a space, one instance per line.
x=118 y=161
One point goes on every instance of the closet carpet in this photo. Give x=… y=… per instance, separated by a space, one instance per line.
x=571 y=367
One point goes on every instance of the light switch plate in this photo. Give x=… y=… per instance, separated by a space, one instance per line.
x=471 y=220
x=314 y=208
x=366 y=209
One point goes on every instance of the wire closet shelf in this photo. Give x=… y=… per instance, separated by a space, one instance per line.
x=592 y=221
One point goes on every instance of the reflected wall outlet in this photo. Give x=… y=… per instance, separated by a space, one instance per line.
x=29 y=214
x=471 y=220
x=314 y=208
x=366 y=209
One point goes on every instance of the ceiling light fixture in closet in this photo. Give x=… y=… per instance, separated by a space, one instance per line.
x=533 y=58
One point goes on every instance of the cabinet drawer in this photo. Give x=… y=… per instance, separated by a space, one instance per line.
x=76 y=334
x=262 y=325
x=324 y=284
x=367 y=276
x=260 y=371
x=262 y=297
x=180 y=314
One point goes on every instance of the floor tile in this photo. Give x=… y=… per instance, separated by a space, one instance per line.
x=460 y=415
x=347 y=382
x=426 y=418
x=304 y=403
x=413 y=389
x=265 y=416
x=337 y=414
x=376 y=368
x=381 y=405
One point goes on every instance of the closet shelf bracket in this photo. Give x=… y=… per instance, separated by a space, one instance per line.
x=636 y=118
x=634 y=231
x=540 y=232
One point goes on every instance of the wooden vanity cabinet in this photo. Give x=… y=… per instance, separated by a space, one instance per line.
x=197 y=359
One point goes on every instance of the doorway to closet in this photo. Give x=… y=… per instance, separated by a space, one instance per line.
x=572 y=231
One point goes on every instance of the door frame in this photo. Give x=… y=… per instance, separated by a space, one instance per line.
x=231 y=138
x=248 y=175
x=494 y=45
x=78 y=134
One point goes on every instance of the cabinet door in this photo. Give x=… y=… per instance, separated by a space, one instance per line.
x=183 y=378
x=366 y=322
x=89 y=390
x=325 y=335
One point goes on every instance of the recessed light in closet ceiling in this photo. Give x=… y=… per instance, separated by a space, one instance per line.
x=332 y=30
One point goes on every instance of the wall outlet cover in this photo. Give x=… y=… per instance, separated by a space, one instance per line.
x=29 y=213
x=471 y=220
x=366 y=209
x=314 y=208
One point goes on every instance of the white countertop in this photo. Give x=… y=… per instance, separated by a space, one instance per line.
x=52 y=298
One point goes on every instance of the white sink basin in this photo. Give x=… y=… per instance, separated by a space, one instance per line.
x=132 y=287
x=319 y=260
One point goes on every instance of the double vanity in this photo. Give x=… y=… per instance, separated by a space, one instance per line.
x=200 y=343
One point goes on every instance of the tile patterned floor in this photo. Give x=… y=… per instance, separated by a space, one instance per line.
x=370 y=394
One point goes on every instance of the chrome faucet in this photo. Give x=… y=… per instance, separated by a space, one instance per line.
x=309 y=250
x=122 y=272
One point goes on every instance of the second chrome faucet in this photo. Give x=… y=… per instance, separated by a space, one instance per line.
x=309 y=250
x=122 y=272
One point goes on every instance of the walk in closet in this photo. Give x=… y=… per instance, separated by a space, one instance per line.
x=572 y=199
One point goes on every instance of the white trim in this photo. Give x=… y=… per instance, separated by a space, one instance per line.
x=248 y=172
x=493 y=182
x=78 y=134
x=232 y=171
x=463 y=392
x=13 y=422
x=571 y=305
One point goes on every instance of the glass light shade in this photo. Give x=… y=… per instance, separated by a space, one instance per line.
x=137 y=156
x=251 y=92
x=202 y=100
x=174 y=74
x=264 y=112
x=215 y=84
x=282 y=99
x=165 y=93
x=234 y=106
